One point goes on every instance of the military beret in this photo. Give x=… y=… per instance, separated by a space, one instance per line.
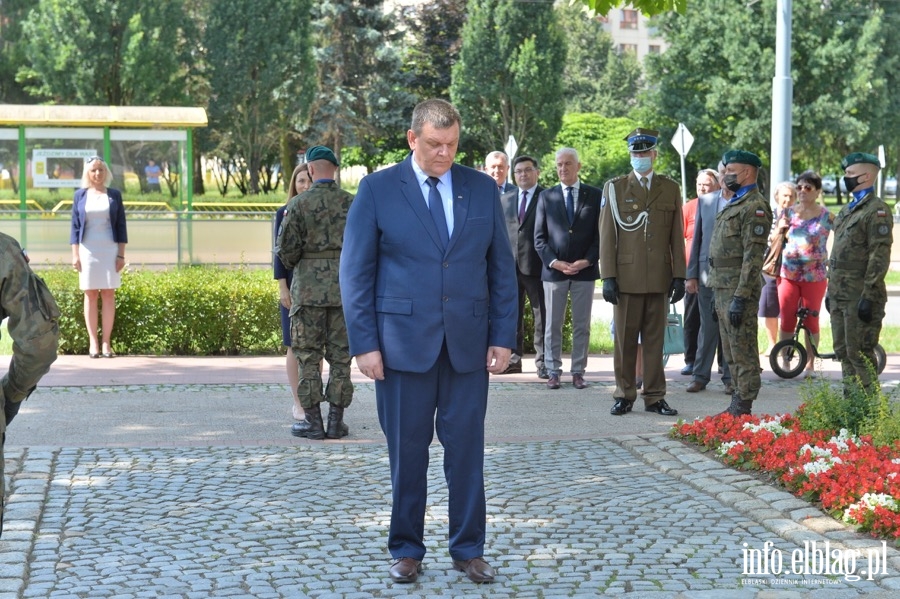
x=858 y=157
x=641 y=140
x=741 y=157
x=321 y=153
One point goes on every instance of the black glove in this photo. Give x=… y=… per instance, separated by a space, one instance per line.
x=715 y=315
x=736 y=311
x=10 y=410
x=676 y=290
x=611 y=290
x=864 y=310
x=828 y=303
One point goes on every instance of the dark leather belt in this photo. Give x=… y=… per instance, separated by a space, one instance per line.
x=851 y=265
x=722 y=262
x=327 y=254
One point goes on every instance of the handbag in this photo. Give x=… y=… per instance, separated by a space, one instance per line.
x=673 y=341
x=772 y=261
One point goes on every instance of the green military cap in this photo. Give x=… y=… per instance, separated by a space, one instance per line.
x=741 y=157
x=641 y=140
x=857 y=157
x=321 y=153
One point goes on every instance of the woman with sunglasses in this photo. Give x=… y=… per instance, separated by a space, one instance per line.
x=804 y=260
x=98 y=239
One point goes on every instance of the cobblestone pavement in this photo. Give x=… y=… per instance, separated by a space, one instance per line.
x=227 y=504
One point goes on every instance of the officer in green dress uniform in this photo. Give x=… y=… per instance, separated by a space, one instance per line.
x=860 y=257
x=736 y=253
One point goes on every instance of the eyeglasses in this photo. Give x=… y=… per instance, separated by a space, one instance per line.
x=92 y=159
x=805 y=188
x=524 y=171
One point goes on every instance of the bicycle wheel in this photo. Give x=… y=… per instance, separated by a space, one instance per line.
x=788 y=358
x=880 y=359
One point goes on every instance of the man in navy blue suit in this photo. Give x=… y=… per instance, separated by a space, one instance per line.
x=429 y=292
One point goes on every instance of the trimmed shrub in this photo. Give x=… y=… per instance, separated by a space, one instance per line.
x=181 y=311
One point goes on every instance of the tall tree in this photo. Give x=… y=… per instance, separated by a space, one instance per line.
x=716 y=77
x=108 y=52
x=12 y=51
x=597 y=77
x=508 y=80
x=362 y=96
x=434 y=28
x=259 y=76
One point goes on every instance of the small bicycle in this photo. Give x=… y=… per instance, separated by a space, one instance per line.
x=788 y=357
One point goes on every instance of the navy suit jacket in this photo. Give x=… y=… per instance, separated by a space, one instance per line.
x=116 y=216
x=556 y=239
x=704 y=223
x=403 y=294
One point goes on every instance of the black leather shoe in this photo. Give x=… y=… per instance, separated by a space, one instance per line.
x=405 y=569
x=661 y=407
x=621 y=407
x=513 y=368
x=688 y=370
x=476 y=569
x=553 y=381
x=542 y=373
x=578 y=381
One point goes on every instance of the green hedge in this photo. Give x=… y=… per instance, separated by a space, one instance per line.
x=184 y=311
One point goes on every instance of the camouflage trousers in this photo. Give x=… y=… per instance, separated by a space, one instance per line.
x=318 y=333
x=739 y=344
x=855 y=341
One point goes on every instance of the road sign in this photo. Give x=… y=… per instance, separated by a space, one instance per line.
x=683 y=140
x=511 y=147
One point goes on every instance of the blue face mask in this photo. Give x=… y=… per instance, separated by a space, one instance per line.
x=641 y=164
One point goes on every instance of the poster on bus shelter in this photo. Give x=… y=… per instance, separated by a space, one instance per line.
x=59 y=168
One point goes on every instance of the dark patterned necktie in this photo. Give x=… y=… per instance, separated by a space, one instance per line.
x=436 y=207
x=522 y=206
x=570 y=205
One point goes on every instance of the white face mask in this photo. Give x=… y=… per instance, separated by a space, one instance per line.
x=641 y=164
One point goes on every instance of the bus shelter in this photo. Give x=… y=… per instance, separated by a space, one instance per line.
x=148 y=148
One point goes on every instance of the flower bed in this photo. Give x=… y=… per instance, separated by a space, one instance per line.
x=852 y=479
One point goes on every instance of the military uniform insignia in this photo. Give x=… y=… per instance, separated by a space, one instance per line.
x=759 y=230
x=760 y=213
x=880 y=213
x=883 y=229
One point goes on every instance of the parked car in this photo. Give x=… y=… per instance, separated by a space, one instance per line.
x=829 y=184
x=890 y=187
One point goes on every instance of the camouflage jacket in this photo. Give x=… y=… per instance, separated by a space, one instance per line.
x=861 y=253
x=738 y=245
x=310 y=241
x=33 y=323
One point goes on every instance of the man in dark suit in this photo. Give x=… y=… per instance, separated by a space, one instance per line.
x=429 y=294
x=708 y=206
x=496 y=164
x=568 y=241
x=519 y=208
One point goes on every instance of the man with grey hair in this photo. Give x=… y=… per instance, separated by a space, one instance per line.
x=496 y=164
x=567 y=239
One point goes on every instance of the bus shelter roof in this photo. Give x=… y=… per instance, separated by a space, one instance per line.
x=156 y=117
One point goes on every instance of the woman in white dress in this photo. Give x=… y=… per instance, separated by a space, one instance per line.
x=98 y=239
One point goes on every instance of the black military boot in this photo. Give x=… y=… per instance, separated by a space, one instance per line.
x=336 y=428
x=311 y=426
x=738 y=406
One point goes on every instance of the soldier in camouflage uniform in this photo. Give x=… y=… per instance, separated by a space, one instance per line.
x=860 y=256
x=33 y=326
x=310 y=242
x=736 y=252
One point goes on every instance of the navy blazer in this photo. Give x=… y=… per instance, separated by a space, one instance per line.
x=404 y=294
x=116 y=216
x=555 y=239
x=281 y=271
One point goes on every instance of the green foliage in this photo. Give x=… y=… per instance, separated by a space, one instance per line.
x=12 y=52
x=716 y=78
x=597 y=78
x=361 y=97
x=187 y=311
x=600 y=145
x=108 y=52
x=260 y=79
x=648 y=7
x=508 y=80
x=829 y=407
x=434 y=29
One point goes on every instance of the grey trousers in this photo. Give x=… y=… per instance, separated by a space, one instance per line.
x=708 y=340
x=555 y=297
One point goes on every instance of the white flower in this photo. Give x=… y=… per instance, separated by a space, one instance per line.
x=724 y=447
x=772 y=425
x=820 y=465
x=869 y=502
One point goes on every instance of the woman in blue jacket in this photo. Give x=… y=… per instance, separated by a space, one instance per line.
x=98 y=241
